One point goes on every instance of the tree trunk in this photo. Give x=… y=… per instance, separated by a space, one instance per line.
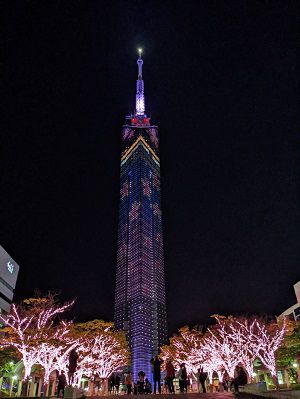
x=24 y=387
x=275 y=380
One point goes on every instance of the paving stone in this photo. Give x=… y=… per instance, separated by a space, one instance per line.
x=215 y=395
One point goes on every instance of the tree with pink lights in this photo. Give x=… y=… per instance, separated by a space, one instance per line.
x=254 y=338
x=184 y=348
x=101 y=350
x=237 y=338
x=222 y=348
x=269 y=340
x=32 y=331
x=244 y=333
x=229 y=343
x=29 y=324
x=54 y=349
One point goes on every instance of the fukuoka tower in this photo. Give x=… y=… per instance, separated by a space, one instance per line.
x=140 y=300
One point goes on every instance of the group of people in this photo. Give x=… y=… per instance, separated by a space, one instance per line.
x=144 y=386
x=201 y=379
x=226 y=384
x=114 y=384
x=184 y=381
x=201 y=375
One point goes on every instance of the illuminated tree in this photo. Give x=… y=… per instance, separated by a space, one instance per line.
x=53 y=350
x=28 y=325
x=101 y=350
x=269 y=340
x=237 y=340
x=231 y=342
x=32 y=331
x=183 y=348
x=245 y=334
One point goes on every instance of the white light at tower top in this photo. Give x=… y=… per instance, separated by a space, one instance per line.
x=140 y=98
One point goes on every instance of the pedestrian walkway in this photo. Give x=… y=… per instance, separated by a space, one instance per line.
x=215 y=395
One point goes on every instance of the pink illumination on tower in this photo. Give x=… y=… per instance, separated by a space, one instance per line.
x=140 y=304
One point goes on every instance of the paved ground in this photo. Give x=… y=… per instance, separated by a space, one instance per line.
x=215 y=395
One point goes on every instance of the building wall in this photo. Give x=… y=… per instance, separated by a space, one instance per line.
x=293 y=312
x=140 y=304
x=297 y=291
x=9 y=270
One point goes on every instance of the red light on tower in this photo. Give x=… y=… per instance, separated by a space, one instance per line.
x=134 y=121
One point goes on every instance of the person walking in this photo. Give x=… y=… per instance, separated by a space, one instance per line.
x=111 y=384
x=73 y=358
x=182 y=378
x=117 y=383
x=202 y=379
x=128 y=382
x=62 y=382
x=141 y=382
x=156 y=363
x=241 y=379
x=197 y=375
x=170 y=375
x=225 y=383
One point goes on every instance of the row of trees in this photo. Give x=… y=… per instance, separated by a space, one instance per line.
x=36 y=330
x=33 y=328
x=231 y=342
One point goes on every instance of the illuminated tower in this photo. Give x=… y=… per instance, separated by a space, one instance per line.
x=140 y=302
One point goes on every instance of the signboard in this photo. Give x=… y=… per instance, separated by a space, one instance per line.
x=9 y=269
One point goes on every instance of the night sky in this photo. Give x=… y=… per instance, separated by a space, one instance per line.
x=221 y=83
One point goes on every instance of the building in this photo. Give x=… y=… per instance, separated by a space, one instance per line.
x=9 y=270
x=294 y=311
x=140 y=303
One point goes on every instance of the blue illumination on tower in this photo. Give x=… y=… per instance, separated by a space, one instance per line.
x=140 y=303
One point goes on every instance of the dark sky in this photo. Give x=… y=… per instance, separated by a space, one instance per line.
x=221 y=83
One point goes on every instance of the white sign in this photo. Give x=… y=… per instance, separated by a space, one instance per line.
x=10 y=266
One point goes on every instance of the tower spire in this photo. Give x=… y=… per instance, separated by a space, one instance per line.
x=140 y=98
